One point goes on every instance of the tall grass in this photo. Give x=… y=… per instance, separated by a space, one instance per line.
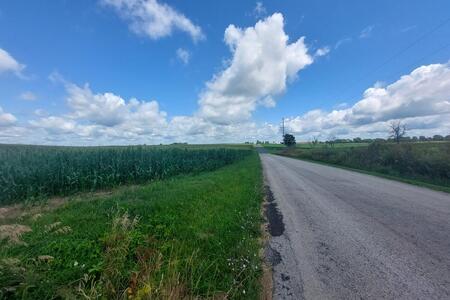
x=425 y=162
x=186 y=237
x=29 y=172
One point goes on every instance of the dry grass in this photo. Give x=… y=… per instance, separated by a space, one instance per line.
x=15 y=211
x=13 y=232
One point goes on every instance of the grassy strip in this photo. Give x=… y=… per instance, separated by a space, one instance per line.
x=179 y=238
x=386 y=176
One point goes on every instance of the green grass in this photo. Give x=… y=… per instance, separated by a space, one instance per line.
x=311 y=146
x=378 y=174
x=195 y=235
x=423 y=164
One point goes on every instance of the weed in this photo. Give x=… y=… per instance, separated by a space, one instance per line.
x=196 y=237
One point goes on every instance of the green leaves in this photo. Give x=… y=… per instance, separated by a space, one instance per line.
x=28 y=172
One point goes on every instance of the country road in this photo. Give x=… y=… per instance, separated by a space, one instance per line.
x=349 y=235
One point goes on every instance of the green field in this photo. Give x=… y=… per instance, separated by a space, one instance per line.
x=422 y=163
x=183 y=237
x=31 y=173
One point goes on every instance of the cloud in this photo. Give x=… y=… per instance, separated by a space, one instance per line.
x=106 y=118
x=342 y=42
x=259 y=10
x=341 y=105
x=262 y=63
x=153 y=19
x=421 y=99
x=40 y=112
x=104 y=109
x=366 y=32
x=322 y=51
x=102 y=115
x=6 y=119
x=9 y=64
x=55 y=124
x=183 y=55
x=409 y=28
x=28 y=96
x=111 y=110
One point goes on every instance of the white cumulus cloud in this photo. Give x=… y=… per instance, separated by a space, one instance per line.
x=105 y=115
x=263 y=61
x=154 y=19
x=9 y=64
x=6 y=119
x=421 y=99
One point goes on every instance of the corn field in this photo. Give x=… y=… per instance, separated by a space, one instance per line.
x=32 y=172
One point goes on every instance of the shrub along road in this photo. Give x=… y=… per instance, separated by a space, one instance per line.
x=349 y=235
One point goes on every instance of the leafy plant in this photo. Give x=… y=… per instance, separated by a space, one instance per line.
x=31 y=173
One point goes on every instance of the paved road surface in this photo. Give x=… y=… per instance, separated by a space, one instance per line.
x=354 y=236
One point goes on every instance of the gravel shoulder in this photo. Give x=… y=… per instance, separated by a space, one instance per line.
x=348 y=235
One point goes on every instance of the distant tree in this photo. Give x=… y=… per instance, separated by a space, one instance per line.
x=415 y=139
x=438 y=137
x=422 y=138
x=447 y=138
x=341 y=141
x=289 y=139
x=397 y=130
x=331 y=140
x=315 y=140
x=357 y=140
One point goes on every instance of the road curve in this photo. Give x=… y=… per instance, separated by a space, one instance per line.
x=349 y=235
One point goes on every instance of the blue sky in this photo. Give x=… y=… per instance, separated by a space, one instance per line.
x=58 y=46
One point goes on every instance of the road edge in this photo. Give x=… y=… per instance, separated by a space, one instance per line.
x=413 y=182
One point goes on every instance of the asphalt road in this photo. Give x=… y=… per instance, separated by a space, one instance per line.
x=346 y=235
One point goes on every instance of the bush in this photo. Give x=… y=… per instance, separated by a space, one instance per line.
x=289 y=139
x=429 y=162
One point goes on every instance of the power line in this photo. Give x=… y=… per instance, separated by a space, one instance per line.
x=409 y=46
x=421 y=38
x=436 y=51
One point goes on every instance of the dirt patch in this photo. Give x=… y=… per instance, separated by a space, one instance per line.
x=13 y=232
x=266 y=278
x=16 y=211
x=266 y=282
x=11 y=212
